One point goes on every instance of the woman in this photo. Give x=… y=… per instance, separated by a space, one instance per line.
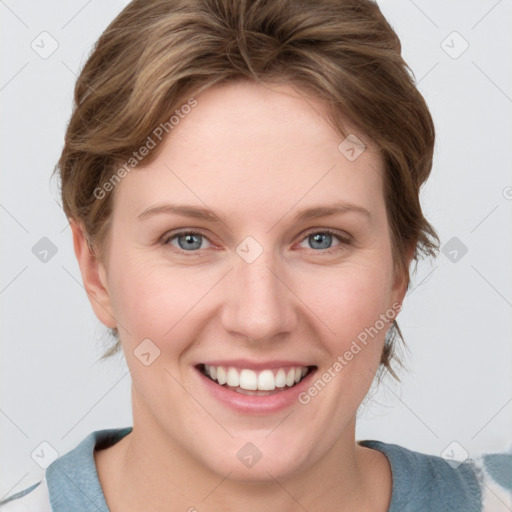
x=242 y=181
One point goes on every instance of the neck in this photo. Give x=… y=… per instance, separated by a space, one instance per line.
x=148 y=470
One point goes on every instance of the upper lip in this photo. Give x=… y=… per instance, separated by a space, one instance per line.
x=254 y=365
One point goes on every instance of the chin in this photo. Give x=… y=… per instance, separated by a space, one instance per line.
x=255 y=462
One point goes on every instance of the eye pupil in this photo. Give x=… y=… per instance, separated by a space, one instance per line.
x=322 y=237
x=190 y=240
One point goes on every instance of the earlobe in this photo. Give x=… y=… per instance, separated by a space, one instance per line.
x=93 y=276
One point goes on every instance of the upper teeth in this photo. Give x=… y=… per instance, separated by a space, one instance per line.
x=266 y=380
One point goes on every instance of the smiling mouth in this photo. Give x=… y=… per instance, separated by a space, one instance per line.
x=249 y=382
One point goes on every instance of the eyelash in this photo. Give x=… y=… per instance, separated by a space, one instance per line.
x=344 y=241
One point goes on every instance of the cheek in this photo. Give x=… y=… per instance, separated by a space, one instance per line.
x=351 y=298
x=164 y=303
x=156 y=301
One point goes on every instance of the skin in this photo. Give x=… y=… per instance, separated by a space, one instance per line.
x=246 y=148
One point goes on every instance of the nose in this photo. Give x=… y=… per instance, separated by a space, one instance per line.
x=261 y=305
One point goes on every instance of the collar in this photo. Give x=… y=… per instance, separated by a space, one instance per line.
x=427 y=483
x=72 y=479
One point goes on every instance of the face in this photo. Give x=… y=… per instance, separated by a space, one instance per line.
x=261 y=293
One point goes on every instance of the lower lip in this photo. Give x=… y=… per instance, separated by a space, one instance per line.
x=250 y=404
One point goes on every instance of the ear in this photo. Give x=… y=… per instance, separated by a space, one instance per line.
x=401 y=281
x=93 y=276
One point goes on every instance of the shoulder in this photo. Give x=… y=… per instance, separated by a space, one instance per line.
x=431 y=483
x=70 y=482
x=495 y=472
x=33 y=499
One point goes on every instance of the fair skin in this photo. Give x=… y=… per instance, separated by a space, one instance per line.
x=254 y=156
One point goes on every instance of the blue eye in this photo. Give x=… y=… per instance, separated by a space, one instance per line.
x=323 y=239
x=187 y=240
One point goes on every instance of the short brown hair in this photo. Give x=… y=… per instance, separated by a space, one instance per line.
x=157 y=53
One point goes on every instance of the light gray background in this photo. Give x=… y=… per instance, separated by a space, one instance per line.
x=457 y=320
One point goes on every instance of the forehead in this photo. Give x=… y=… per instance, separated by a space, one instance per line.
x=246 y=145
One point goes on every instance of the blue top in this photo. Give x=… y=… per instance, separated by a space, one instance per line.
x=421 y=483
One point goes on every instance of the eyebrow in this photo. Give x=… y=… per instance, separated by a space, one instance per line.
x=206 y=214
